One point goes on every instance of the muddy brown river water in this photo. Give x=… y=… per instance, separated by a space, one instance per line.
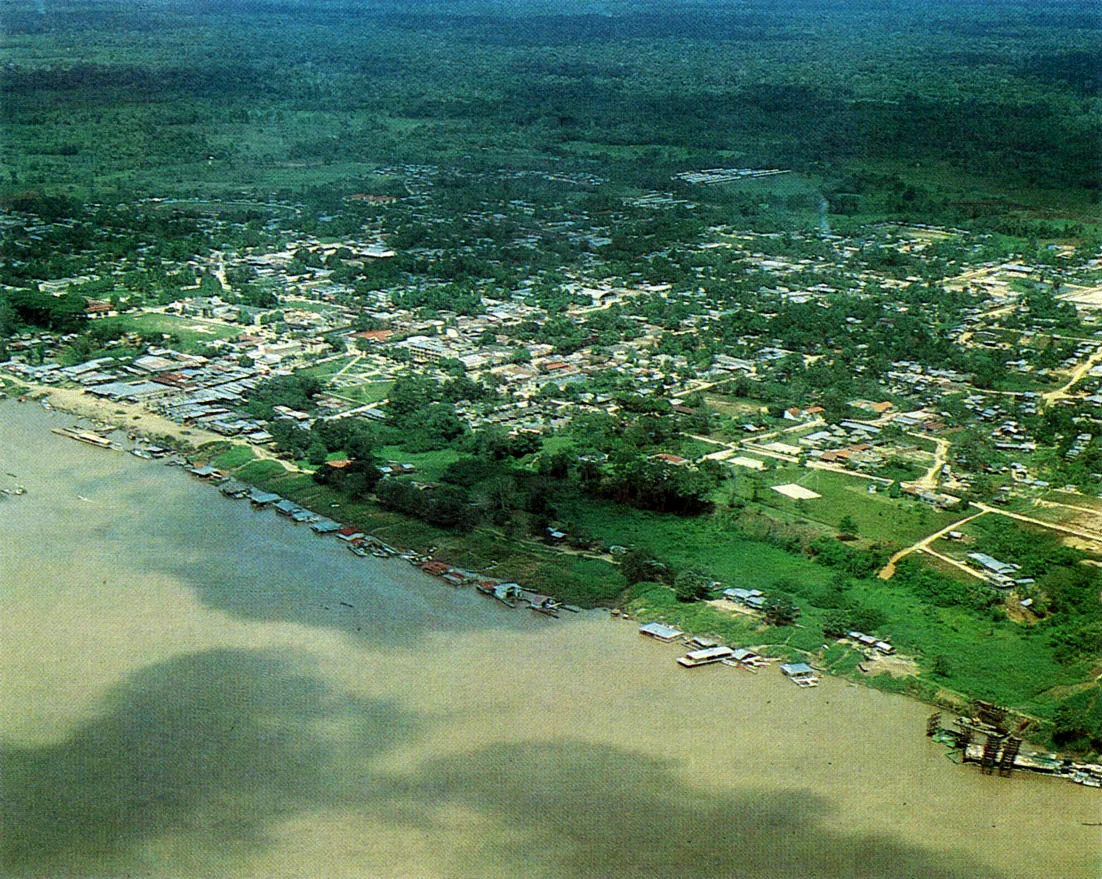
x=190 y=687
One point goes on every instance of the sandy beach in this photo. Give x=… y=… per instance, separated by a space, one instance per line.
x=124 y=416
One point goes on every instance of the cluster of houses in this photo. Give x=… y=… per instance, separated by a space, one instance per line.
x=703 y=651
x=998 y=572
x=751 y=598
x=870 y=642
x=320 y=312
x=362 y=544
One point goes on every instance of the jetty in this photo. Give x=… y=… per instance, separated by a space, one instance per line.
x=83 y=436
x=1000 y=748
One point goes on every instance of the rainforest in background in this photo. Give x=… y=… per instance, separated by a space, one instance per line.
x=945 y=111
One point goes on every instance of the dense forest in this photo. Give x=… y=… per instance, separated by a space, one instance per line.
x=993 y=105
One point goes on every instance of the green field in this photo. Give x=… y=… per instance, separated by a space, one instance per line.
x=430 y=465
x=192 y=334
x=888 y=520
x=370 y=392
x=328 y=369
x=708 y=543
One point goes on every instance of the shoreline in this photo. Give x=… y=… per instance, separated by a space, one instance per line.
x=456 y=578
x=128 y=417
x=146 y=424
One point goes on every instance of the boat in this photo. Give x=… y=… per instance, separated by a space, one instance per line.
x=545 y=605
x=84 y=436
x=507 y=593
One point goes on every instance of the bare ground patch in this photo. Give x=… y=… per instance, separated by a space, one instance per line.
x=896 y=666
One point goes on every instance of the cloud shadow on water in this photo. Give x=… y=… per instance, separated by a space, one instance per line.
x=215 y=745
x=258 y=566
x=584 y=810
x=219 y=748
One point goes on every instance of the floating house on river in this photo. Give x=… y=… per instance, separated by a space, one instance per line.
x=705 y=657
x=260 y=498
x=801 y=674
x=660 y=632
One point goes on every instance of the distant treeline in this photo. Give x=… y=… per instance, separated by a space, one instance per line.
x=998 y=90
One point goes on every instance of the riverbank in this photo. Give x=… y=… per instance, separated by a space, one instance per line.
x=996 y=662
x=127 y=417
x=185 y=694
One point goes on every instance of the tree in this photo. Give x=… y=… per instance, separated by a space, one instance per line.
x=690 y=585
x=835 y=623
x=316 y=452
x=780 y=610
x=410 y=395
x=638 y=566
x=846 y=525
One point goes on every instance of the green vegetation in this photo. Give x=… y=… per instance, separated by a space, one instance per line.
x=189 y=335
x=915 y=113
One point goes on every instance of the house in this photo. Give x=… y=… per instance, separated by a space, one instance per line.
x=348 y=534
x=797 y=670
x=325 y=526
x=660 y=632
x=234 y=489
x=741 y=595
x=992 y=565
x=375 y=336
x=260 y=498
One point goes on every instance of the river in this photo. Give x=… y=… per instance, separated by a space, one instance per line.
x=191 y=687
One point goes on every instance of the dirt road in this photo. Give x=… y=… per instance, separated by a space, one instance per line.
x=888 y=571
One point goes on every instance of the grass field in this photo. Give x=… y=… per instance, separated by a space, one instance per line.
x=193 y=334
x=430 y=465
x=369 y=392
x=688 y=542
x=890 y=520
x=327 y=369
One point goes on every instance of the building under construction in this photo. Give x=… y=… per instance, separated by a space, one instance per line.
x=983 y=737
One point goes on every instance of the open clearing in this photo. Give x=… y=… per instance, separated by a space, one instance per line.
x=796 y=492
